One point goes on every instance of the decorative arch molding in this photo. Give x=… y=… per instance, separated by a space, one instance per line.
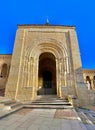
x=51 y=46
x=44 y=45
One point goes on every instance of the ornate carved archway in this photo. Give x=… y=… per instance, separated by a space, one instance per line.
x=32 y=55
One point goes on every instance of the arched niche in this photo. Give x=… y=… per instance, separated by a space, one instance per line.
x=4 y=70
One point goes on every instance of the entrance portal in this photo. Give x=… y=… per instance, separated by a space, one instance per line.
x=47 y=74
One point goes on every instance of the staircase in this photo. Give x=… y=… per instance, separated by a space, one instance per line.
x=49 y=102
x=9 y=106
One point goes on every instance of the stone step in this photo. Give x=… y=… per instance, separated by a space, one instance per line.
x=8 y=107
x=47 y=97
x=91 y=118
x=49 y=106
x=5 y=100
x=87 y=114
x=14 y=105
x=9 y=102
x=50 y=103
x=50 y=99
x=5 y=113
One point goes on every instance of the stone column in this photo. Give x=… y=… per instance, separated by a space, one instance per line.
x=28 y=82
x=67 y=64
x=31 y=71
x=25 y=72
x=65 y=72
x=35 y=78
x=59 y=74
x=60 y=77
x=92 y=85
x=57 y=77
x=62 y=73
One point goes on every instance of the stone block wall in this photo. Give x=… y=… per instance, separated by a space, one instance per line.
x=5 y=63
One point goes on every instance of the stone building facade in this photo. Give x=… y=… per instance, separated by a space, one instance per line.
x=89 y=77
x=46 y=60
x=5 y=63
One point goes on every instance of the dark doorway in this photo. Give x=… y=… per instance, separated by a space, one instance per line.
x=47 y=79
x=47 y=74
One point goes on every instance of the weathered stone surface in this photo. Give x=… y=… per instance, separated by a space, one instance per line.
x=40 y=51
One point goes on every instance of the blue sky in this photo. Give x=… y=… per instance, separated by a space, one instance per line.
x=80 y=13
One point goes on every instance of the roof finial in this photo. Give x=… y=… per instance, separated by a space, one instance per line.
x=47 y=21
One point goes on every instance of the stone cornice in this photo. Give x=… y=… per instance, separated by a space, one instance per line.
x=88 y=70
x=45 y=26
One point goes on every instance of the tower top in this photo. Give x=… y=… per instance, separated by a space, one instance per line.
x=47 y=21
